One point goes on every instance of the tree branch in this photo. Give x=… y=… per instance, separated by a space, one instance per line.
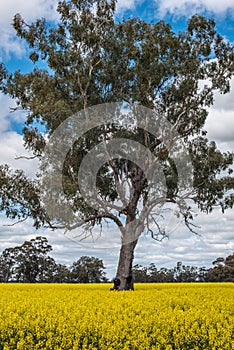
x=25 y=157
x=95 y=217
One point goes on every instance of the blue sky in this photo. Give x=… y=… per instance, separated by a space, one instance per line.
x=217 y=230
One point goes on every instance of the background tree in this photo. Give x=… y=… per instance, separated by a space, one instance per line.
x=222 y=270
x=60 y=274
x=30 y=263
x=27 y=262
x=140 y=273
x=88 y=270
x=7 y=262
x=229 y=264
x=89 y=60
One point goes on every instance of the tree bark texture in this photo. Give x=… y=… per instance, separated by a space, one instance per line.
x=124 y=278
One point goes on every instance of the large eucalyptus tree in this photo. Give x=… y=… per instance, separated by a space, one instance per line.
x=129 y=96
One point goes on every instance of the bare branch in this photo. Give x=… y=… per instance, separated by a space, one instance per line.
x=25 y=157
x=95 y=217
x=16 y=222
x=190 y=226
x=161 y=231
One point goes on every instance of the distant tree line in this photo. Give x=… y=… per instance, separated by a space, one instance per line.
x=221 y=271
x=31 y=263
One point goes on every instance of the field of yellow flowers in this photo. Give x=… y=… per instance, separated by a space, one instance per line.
x=154 y=316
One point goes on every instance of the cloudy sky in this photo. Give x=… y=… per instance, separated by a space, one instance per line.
x=216 y=232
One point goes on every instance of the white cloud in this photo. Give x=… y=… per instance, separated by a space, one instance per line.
x=9 y=43
x=10 y=236
x=6 y=115
x=11 y=143
x=187 y=8
x=11 y=147
x=30 y=10
x=5 y=103
x=123 y=5
x=225 y=102
x=220 y=121
x=216 y=238
x=220 y=126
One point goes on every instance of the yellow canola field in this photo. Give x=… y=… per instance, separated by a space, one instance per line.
x=154 y=316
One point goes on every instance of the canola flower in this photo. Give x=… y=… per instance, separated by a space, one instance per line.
x=155 y=316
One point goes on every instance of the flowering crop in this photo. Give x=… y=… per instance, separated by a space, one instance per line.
x=154 y=316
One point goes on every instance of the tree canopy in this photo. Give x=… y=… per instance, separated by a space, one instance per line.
x=30 y=263
x=90 y=59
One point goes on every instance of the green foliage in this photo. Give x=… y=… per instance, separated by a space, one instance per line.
x=222 y=271
x=91 y=59
x=20 y=196
x=88 y=270
x=26 y=263
x=30 y=263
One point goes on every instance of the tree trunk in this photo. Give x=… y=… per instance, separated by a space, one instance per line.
x=124 y=278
